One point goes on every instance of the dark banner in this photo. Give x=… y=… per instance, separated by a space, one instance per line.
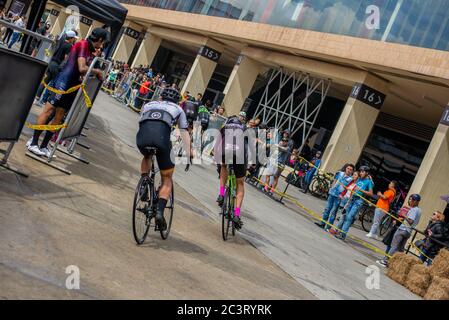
x=18 y=87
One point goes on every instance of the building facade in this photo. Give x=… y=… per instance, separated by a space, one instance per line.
x=366 y=82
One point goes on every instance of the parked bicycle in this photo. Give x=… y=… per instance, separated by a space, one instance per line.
x=367 y=218
x=320 y=185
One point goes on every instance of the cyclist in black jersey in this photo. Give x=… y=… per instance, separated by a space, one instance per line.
x=232 y=148
x=155 y=126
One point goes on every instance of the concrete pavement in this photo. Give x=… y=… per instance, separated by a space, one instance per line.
x=51 y=220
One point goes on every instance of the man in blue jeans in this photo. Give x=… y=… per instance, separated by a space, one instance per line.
x=342 y=179
x=364 y=188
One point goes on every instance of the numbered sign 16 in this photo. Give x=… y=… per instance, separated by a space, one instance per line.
x=445 y=117
x=368 y=95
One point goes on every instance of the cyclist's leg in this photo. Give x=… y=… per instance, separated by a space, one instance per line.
x=145 y=166
x=165 y=189
x=240 y=172
x=223 y=180
x=240 y=195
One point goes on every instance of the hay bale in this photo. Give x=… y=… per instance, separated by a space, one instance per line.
x=438 y=290
x=440 y=265
x=418 y=279
x=399 y=267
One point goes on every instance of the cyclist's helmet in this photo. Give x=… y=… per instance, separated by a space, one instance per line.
x=171 y=95
x=365 y=168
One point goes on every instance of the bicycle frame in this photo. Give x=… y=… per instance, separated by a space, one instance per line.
x=231 y=184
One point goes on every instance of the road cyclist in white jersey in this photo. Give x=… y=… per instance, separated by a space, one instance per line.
x=156 y=123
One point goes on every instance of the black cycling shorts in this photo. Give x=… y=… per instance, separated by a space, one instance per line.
x=156 y=134
x=239 y=169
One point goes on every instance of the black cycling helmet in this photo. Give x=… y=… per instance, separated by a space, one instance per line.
x=99 y=33
x=171 y=94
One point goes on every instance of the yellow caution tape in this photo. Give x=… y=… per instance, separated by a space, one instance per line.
x=46 y=127
x=318 y=217
x=328 y=176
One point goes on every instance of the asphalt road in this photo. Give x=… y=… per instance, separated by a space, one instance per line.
x=50 y=221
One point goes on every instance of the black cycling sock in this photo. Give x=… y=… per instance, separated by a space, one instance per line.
x=36 y=135
x=161 y=204
x=47 y=138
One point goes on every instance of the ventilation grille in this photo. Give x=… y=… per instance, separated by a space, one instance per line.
x=407 y=127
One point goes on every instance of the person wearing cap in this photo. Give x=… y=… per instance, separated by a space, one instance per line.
x=76 y=67
x=403 y=233
x=285 y=147
x=316 y=163
x=363 y=189
x=242 y=117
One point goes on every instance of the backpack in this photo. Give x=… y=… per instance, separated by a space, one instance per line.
x=191 y=110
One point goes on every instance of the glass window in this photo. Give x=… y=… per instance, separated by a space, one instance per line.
x=413 y=22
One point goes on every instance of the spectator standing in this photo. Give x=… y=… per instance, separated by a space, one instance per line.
x=8 y=33
x=364 y=188
x=143 y=92
x=18 y=22
x=316 y=163
x=383 y=204
x=403 y=233
x=342 y=180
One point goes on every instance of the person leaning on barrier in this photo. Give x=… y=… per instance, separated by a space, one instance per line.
x=82 y=53
x=316 y=161
x=436 y=230
x=404 y=231
x=56 y=63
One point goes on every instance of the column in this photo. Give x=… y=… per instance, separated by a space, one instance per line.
x=355 y=123
x=431 y=181
x=57 y=18
x=240 y=83
x=127 y=42
x=95 y=24
x=85 y=25
x=203 y=68
x=147 y=50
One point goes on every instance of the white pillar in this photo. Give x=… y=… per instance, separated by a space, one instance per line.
x=432 y=179
x=203 y=68
x=355 y=124
x=147 y=50
x=240 y=83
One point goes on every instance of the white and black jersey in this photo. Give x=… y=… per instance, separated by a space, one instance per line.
x=167 y=112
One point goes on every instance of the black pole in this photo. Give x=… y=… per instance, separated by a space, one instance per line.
x=36 y=13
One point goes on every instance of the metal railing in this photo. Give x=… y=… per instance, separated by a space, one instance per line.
x=46 y=47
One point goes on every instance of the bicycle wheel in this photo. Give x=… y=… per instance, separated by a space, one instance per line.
x=385 y=225
x=141 y=216
x=314 y=187
x=367 y=217
x=226 y=216
x=231 y=214
x=169 y=214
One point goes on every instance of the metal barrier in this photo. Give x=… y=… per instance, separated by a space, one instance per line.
x=215 y=122
x=46 y=47
x=413 y=238
x=76 y=117
x=16 y=97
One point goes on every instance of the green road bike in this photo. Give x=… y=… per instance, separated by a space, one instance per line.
x=227 y=210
